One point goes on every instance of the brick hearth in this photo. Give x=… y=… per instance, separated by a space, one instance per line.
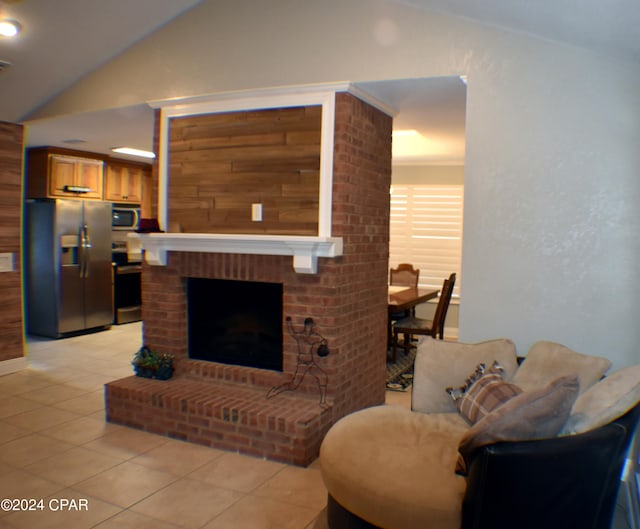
x=225 y=406
x=224 y=415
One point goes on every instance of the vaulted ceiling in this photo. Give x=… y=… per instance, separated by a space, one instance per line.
x=607 y=27
x=64 y=40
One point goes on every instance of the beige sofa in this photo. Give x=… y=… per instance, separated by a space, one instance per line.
x=391 y=467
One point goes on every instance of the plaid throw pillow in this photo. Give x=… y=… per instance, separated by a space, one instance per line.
x=484 y=391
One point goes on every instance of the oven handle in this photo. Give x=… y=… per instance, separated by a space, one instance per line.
x=128 y=269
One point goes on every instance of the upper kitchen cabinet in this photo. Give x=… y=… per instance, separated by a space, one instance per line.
x=124 y=181
x=72 y=176
x=55 y=173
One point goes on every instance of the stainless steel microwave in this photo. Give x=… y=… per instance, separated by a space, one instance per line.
x=125 y=218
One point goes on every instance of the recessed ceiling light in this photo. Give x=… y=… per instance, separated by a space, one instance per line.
x=134 y=152
x=9 y=28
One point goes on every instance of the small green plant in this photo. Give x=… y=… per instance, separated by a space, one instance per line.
x=151 y=364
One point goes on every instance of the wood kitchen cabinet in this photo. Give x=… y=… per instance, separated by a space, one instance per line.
x=124 y=181
x=69 y=173
x=56 y=174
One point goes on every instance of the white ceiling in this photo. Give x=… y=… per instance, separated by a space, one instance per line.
x=435 y=107
x=61 y=42
x=64 y=40
x=609 y=27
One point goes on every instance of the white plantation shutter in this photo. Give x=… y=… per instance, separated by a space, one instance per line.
x=426 y=231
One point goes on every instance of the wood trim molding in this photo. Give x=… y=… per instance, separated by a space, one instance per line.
x=305 y=250
x=280 y=97
x=253 y=101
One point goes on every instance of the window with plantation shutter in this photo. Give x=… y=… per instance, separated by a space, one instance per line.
x=426 y=231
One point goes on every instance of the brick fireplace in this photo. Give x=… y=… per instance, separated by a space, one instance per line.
x=245 y=329
x=226 y=406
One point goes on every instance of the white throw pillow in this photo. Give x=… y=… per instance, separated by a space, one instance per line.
x=547 y=361
x=605 y=401
x=441 y=364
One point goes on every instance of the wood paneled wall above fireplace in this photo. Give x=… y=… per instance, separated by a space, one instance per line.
x=223 y=163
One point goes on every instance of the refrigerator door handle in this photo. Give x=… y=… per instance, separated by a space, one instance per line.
x=88 y=246
x=85 y=243
x=82 y=251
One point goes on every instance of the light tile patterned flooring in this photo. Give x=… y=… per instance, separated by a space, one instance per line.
x=55 y=445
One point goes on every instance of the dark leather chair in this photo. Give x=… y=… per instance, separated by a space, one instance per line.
x=411 y=325
x=629 y=493
x=560 y=483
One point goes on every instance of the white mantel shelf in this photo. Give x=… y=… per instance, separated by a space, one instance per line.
x=305 y=250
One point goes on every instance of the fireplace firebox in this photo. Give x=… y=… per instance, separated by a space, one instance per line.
x=235 y=322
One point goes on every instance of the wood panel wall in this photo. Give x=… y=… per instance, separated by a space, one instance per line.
x=11 y=321
x=221 y=164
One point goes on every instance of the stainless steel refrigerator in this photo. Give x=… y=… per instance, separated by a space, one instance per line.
x=69 y=285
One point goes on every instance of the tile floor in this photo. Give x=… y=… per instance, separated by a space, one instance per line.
x=56 y=445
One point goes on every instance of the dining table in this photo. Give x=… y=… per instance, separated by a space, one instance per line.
x=401 y=298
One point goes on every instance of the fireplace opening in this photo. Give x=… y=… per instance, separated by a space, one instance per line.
x=235 y=322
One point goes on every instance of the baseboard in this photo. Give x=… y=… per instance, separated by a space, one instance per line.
x=451 y=334
x=12 y=365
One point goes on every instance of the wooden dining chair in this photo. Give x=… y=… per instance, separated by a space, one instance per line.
x=404 y=275
x=407 y=276
x=411 y=325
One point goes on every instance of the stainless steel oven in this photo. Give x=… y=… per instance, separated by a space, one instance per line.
x=127 y=292
x=126 y=256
